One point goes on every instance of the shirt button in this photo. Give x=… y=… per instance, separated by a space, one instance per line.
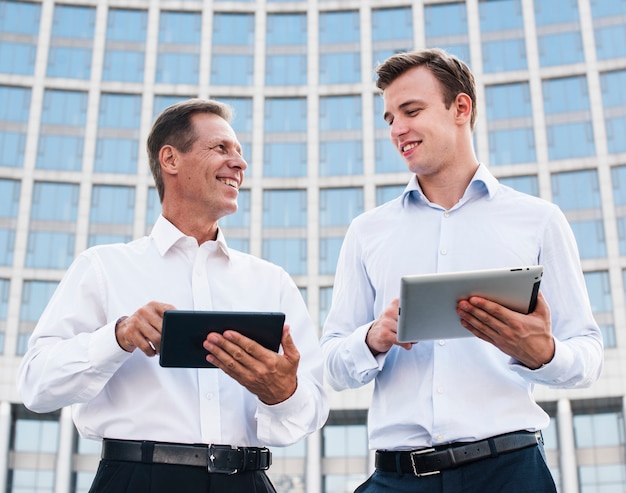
x=209 y=396
x=440 y=438
x=444 y=251
x=440 y=390
x=446 y=214
x=442 y=343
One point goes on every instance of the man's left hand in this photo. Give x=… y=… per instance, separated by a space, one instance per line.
x=526 y=338
x=269 y=375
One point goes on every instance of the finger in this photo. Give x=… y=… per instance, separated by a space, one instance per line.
x=290 y=351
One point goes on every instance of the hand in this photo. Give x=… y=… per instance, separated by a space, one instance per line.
x=272 y=377
x=142 y=329
x=526 y=338
x=383 y=333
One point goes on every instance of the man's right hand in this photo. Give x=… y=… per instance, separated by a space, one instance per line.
x=383 y=333
x=142 y=329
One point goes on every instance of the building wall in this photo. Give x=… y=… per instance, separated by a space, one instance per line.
x=82 y=80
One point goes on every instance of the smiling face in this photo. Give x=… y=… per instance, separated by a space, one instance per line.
x=203 y=183
x=422 y=129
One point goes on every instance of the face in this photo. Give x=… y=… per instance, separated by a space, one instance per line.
x=210 y=174
x=421 y=128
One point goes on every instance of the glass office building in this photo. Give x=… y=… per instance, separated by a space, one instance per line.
x=82 y=80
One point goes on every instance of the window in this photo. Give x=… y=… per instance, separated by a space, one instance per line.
x=525 y=184
x=599 y=288
x=111 y=215
x=614 y=102
x=388 y=159
x=5 y=285
x=9 y=204
x=62 y=131
x=242 y=125
x=52 y=224
x=558 y=32
x=125 y=45
x=178 y=57
x=340 y=151
x=510 y=124
x=577 y=193
x=502 y=34
x=288 y=471
x=286 y=52
x=618 y=178
x=340 y=47
x=446 y=27
x=232 y=62
x=19 y=29
x=71 y=42
x=386 y=193
x=117 y=145
x=285 y=149
x=237 y=226
x=35 y=297
x=609 y=23
x=387 y=40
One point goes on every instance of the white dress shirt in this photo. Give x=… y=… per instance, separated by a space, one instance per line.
x=457 y=389
x=74 y=359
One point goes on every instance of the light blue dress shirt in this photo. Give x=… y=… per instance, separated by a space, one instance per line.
x=457 y=389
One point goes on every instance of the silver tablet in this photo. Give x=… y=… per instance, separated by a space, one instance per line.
x=428 y=302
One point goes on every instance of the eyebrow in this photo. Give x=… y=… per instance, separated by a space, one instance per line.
x=402 y=106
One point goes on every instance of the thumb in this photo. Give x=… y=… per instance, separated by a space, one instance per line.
x=289 y=347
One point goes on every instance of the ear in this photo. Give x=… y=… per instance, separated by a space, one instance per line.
x=167 y=158
x=463 y=106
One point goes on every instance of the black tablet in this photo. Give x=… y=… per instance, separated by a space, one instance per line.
x=184 y=332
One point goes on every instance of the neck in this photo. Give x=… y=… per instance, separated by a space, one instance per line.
x=447 y=188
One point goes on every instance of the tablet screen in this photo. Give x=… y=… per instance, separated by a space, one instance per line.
x=184 y=332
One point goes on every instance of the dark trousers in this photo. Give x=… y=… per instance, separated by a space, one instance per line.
x=522 y=471
x=136 y=477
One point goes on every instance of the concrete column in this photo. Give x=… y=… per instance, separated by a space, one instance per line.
x=567 y=447
x=314 y=463
x=63 y=473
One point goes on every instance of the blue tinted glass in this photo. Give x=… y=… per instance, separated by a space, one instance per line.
x=116 y=156
x=162 y=102
x=400 y=18
x=590 y=238
x=119 y=111
x=153 y=208
x=112 y=204
x=560 y=49
x=123 y=66
x=283 y=159
x=4 y=297
x=106 y=239
x=615 y=131
x=388 y=159
x=576 y=190
x=284 y=208
x=340 y=113
x=7 y=247
x=73 y=22
x=127 y=25
x=14 y=104
x=35 y=297
x=12 y=147
x=618 y=178
x=341 y=157
x=500 y=15
x=54 y=202
x=504 y=55
x=289 y=253
x=555 y=11
x=603 y=8
x=74 y=63
x=570 y=140
x=17 y=58
x=233 y=29
x=286 y=29
x=285 y=70
x=512 y=146
x=460 y=50
x=599 y=289
x=339 y=27
x=20 y=17
x=445 y=20
x=525 y=184
x=565 y=95
x=338 y=206
x=388 y=192
x=177 y=68
x=50 y=249
x=59 y=152
x=285 y=115
x=9 y=198
x=232 y=70
x=613 y=84
x=340 y=68
x=64 y=108
x=242 y=117
x=180 y=28
x=611 y=42
x=507 y=101
x=329 y=253
x=241 y=218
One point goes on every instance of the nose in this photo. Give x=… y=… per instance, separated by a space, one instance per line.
x=397 y=128
x=238 y=162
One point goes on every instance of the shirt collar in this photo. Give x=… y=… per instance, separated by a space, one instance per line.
x=166 y=235
x=482 y=182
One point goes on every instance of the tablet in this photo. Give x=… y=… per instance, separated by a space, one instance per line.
x=184 y=332
x=428 y=302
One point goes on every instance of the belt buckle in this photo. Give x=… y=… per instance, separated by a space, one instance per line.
x=421 y=452
x=212 y=450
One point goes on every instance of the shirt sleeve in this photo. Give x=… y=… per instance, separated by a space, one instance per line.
x=307 y=409
x=73 y=351
x=349 y=362
x=579 y=352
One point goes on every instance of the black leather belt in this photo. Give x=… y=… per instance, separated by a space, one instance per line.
x=425 y=462
x=222 y=459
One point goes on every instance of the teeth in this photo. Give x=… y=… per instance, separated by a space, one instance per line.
x=408 y=147
x=230 y=182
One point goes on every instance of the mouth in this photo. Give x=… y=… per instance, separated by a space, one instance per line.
x=231 y=182
x=410 y=146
